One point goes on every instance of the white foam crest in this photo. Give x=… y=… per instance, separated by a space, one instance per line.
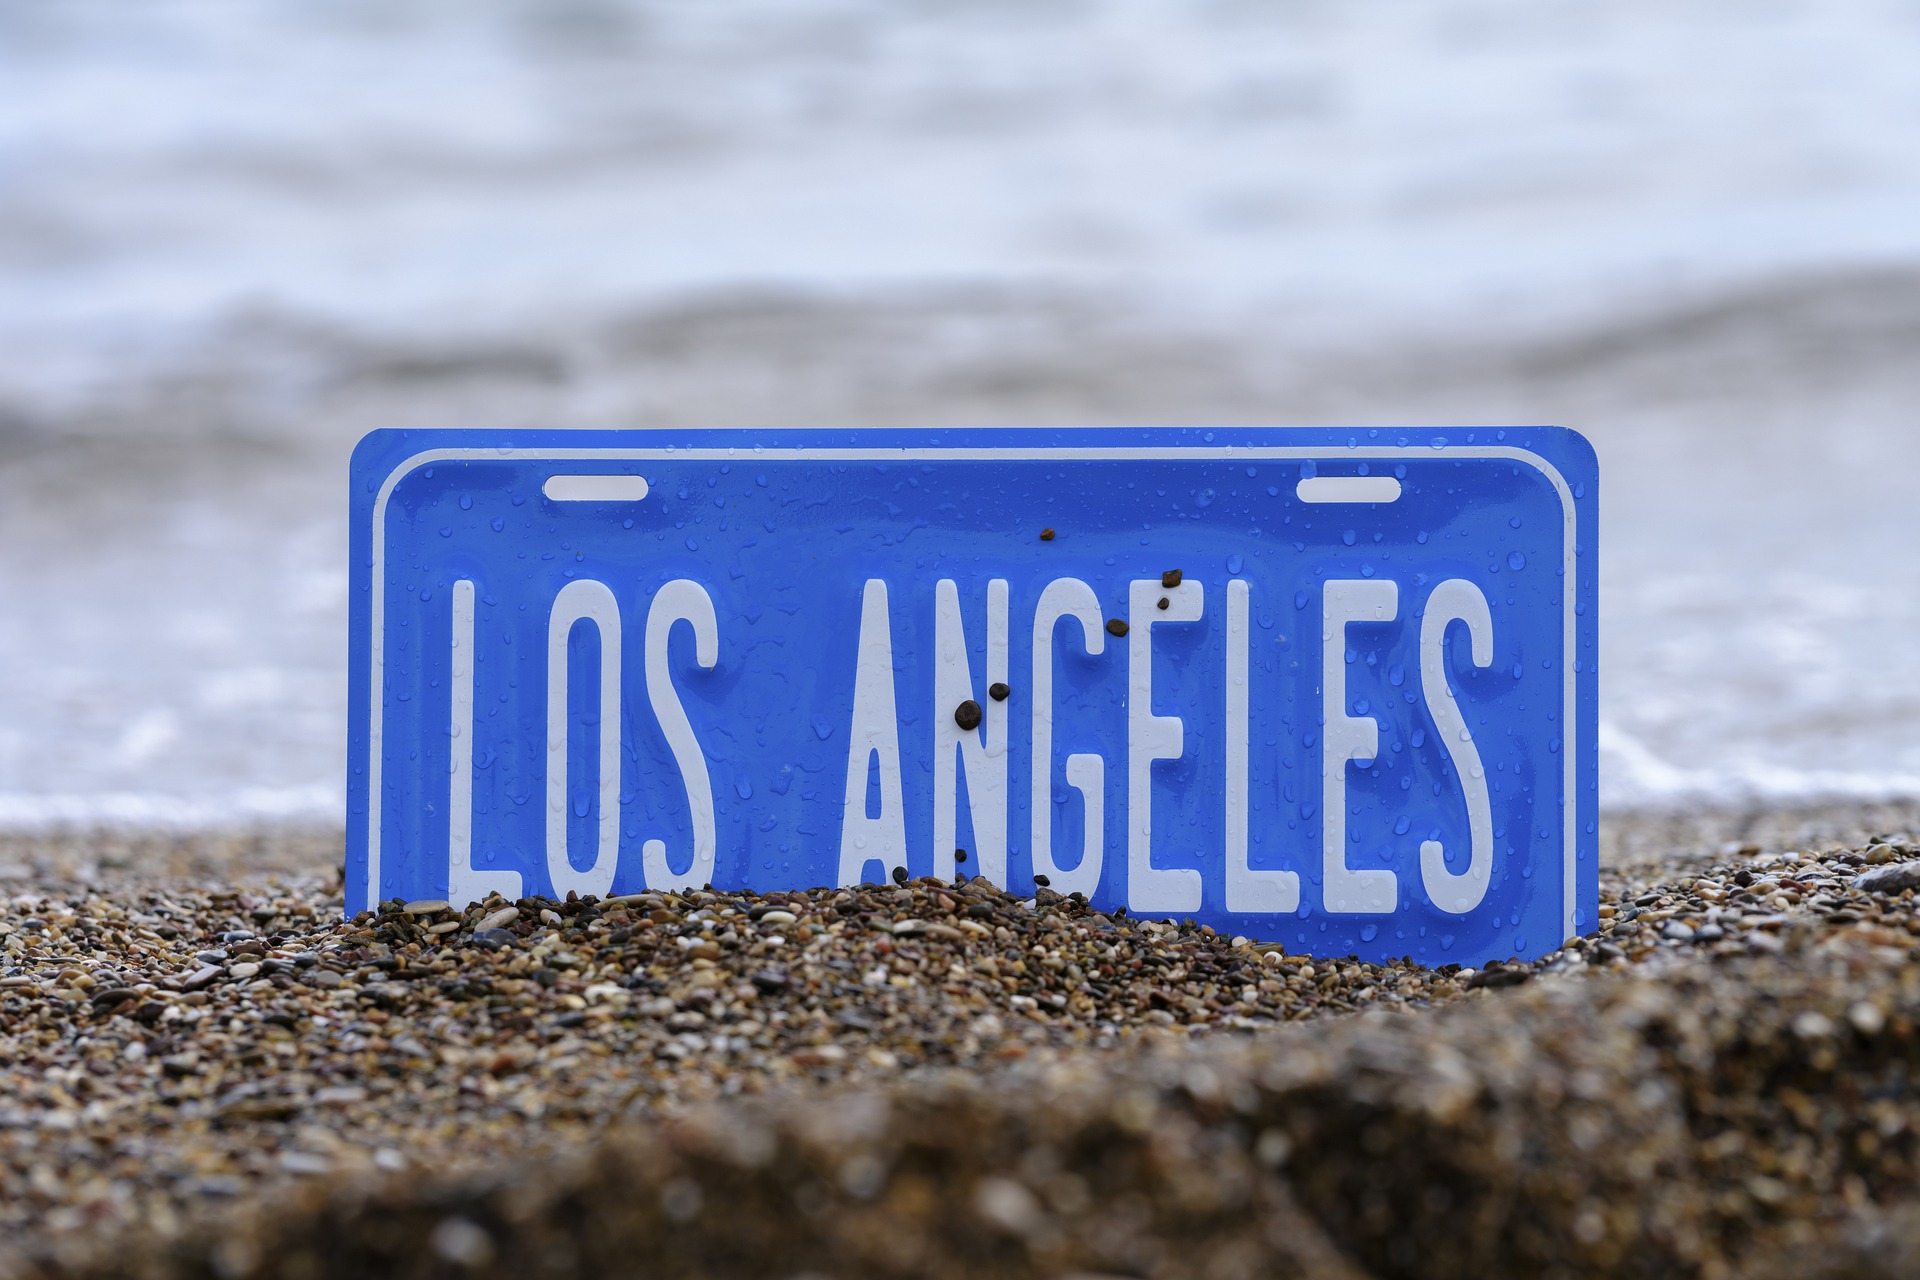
x=1633 y=776
x=315 y=803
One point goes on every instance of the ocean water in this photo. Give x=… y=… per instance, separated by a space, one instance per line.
x=233 y=237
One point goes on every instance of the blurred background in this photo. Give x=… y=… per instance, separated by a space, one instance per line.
x=233 y=237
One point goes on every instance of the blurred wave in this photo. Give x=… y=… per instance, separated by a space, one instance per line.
x=235 y=236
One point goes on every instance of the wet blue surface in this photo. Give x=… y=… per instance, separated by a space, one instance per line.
x=783 y=541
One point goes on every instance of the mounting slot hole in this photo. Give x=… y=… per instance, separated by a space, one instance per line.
x=1348 y=489
x=595 y=488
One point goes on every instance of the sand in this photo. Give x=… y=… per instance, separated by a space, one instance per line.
x=218 y=1076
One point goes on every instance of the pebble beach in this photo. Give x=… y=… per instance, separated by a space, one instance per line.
x=210 y=1073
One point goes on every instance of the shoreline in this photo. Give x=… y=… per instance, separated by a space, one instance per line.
x=1645 y=836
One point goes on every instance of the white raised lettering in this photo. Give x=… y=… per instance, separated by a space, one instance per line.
x=873 y=736
x=1086 y=773
x=1347 y=738
x=982 y=751
x=464 y=884
x=583 y=598
x=1150 y=889
x=1269 y=892
x=1457 y=600
x=682 y=600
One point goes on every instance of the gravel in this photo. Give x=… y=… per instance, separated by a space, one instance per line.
x=943 y=1079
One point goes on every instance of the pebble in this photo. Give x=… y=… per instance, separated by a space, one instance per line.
x=1889 y=877
x=1681 y=1120
x=140 y=1081
x=496 y=919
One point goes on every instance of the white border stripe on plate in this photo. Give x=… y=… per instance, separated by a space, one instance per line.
x=1569 y=637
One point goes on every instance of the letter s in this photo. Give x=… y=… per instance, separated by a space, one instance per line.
x=1457 y=600
x=682 y=600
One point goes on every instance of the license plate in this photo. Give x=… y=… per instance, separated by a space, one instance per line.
x=1329 y=688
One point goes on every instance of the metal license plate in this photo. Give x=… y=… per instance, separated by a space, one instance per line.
x=1331 y=688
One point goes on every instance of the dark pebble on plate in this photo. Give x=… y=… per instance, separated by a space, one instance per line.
x=1171 y=578
x=900 y=873
x=1046 y=535
x=1115 y=627
x=998 y=691
x=967 y=715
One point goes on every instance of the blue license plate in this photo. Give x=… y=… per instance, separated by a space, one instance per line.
x=1331 y=688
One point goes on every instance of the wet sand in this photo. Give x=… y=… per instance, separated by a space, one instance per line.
x=933 y=1079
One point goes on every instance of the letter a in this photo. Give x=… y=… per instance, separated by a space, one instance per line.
x=875 y=733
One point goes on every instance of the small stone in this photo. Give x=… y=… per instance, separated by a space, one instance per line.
x=1170 y=579
x=463 y=1243
x=899 y=875
x=1046 y=535
x=998 y=691
x=1005 y=1204
x=1891 y=878
x=967 y=715
x=1811 y=1025
x=305 y=1163
x=202 y=978
x=241 y=972
x=427 y=907
x=1677 y=932
x=1866 y=1018
x=496 y=919
x=1042 y=880
x=1880 y=854
x=1116 y=627
x=324 y=978
x=779 y=917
